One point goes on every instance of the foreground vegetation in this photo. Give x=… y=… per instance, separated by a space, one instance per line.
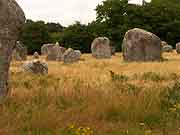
x=94 y=97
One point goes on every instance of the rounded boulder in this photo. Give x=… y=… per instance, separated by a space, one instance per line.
x=141 y=45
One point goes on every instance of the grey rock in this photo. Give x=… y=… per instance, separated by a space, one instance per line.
x=36 y=67
x=61 y=50
x=55 y=53
x=45 y=48
x=19 y=52
x=12 y=19
x=167 y=48
x=71 y=56
x=100 y=48
x=36 y=55
x=141 y=45
x=164 y=43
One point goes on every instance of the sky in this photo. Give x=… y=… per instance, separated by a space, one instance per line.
x=66 y=12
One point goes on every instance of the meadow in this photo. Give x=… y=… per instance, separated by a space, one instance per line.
x=94 y=97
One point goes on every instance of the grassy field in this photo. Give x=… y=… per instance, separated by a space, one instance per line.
x=95 y=97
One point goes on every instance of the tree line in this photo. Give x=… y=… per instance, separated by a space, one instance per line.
x=114 y=18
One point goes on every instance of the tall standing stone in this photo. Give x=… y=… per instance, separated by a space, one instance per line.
x=12 y=18
x=141 y=45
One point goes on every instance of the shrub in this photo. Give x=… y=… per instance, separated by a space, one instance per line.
x=151 y=76
x=118 y=77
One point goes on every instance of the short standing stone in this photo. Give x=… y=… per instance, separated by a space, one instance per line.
x=36 y=55
x=53 y=53
x=101 y=48
x=71 y=56
x=178 y=48
x=45 y=48
x=167 y=48
x=141 y=45
x=164 y=43
x=36 y=67
x=61 y=51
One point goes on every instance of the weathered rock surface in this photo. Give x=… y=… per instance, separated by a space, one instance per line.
x=61 y=51
x=55 y=53
x=164 y=43
x=36 y=55
x=12 y=18
x=71 y=56
x=141 y=45
x=45 y=48
x=167 y=48
x=100 y=48
x=19 y=52
x=178 y=48
x=36 y=67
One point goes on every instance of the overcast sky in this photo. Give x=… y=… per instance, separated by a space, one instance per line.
x=65 y=12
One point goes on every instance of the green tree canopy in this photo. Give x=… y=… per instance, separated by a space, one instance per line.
x=114 y=18
x=161 y=17
x=34 y=34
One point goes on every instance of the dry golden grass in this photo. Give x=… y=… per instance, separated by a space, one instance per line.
x=84 y=93
x=90 y=68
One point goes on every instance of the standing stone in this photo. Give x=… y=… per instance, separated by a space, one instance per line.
x=36 y=55
x=53 y=53
x=178 y=48
x=167 y=48
x=19 y=52
x=61 y=50
x=71 y=56
x=101 y=48
x=11 y=20
x=141 y=45
x=36 y=67
x=45 y=48
x=164 y=43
